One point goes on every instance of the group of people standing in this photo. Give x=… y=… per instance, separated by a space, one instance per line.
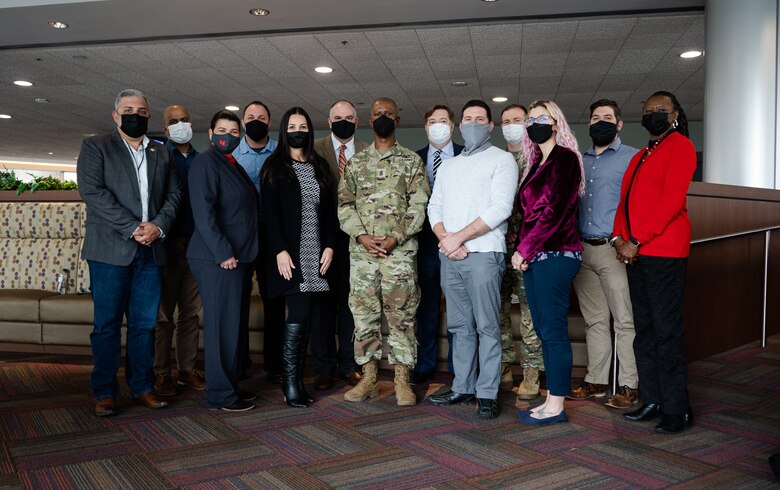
x=343 y=235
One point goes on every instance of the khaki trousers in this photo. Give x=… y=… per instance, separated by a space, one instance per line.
x=602 y=289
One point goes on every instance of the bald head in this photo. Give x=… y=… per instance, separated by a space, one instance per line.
x=342 y=109
x=175 y=114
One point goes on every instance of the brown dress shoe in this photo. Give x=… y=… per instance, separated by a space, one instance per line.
x=194 y=379
x=163 y=385
x=105 y=407
x=323 y=381
x=588 y=390
x=353 y=378
x=625 y=398
x=150 y=400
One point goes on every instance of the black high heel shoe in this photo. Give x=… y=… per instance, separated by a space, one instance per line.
x=648 y=411
x=675 y=423
x=293 y=395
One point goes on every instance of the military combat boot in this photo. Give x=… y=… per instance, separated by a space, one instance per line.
x=529 y=388
x=507 y=383
x=367 y=387
x=403 y=392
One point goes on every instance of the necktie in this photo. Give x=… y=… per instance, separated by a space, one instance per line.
x=342 y=159
x=436 y=163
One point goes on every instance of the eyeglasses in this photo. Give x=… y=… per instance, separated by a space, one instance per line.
x=543 y=119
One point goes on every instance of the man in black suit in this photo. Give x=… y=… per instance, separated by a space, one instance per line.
x=132 y=193
x=438 y=127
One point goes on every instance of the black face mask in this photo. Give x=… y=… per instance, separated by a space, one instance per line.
x=656 y=123
x=343 y=129
x=383 y=126
x=256 y=130
x=297 y=139
x=134 y=125
x=603 y=133
x=225 y=143
x=539 y=133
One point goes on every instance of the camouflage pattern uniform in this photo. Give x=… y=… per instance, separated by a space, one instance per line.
x=384 y=194
x=531 y=346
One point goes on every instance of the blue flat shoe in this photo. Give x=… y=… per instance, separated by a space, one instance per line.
x=526 y=419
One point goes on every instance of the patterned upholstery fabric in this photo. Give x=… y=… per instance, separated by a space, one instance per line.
x=38 y=240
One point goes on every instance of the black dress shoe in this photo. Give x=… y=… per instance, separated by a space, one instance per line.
x=239 y=406
x=675 y=423
x=450 y=398
x=648 y=411
x=245 y=395
x=323 y=381
x=419 y=378
x=488 y=408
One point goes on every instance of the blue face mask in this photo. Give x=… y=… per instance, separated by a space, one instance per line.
x=225 y=143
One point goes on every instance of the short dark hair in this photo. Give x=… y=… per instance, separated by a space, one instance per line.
x=606 y=103
x=438 y=107
x=257 y=102
x=514 y=106
x=477 y=103
x=224 y=114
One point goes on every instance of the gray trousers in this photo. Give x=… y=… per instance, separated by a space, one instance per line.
x=472 y=289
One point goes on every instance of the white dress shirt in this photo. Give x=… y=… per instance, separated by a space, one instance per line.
x=348 y=152
x=139 y=163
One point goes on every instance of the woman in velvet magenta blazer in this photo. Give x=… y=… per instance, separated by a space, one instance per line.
x=653 y=235
x=549 y=248
x=299 y=213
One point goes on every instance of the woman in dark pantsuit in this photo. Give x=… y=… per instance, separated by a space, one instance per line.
x=299 y=218
x=225 y=208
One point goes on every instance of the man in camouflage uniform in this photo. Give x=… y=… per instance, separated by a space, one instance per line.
x=382 y=199
x=513 y=128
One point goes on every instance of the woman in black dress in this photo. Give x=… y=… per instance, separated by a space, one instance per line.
x=300 y=222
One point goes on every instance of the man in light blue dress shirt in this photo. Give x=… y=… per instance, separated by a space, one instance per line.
x=601 y=284
x=255 y=148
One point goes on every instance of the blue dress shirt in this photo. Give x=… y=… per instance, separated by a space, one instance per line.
x=253 y=161
x=603 y=178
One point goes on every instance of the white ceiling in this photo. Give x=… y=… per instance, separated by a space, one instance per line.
x=573 y=60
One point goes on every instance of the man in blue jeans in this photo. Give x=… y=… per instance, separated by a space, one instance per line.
x=132 y=193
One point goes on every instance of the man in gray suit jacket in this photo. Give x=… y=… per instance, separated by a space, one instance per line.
x=132 y=192
x=337 y=148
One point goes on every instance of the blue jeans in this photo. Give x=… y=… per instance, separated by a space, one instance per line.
x=548 y=289
x=132 y=290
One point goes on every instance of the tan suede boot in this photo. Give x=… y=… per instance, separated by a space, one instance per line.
x=529 y=388
x=367 y=387
x=403 y=392
x=507 y=383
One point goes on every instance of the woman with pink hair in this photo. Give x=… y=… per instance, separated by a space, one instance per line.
x=549 y=249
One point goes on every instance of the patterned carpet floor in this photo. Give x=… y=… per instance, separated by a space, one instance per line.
x=49 y=437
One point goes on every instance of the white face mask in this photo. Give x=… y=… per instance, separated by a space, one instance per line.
x=180 y=132
x=439 y=133
x=513 y=133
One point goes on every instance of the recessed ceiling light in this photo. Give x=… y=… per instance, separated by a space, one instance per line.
x=5 y=116
x=323 y=69
x=23 y=83
x=500 y=99
x=489 y=1
x=232 y=107
x=459 y=83
x=260 y=12
x=51 y=153
x=41 y=100
x=691 y=54
x=57 y=24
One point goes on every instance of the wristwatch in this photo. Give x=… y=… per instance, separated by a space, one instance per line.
x=613 y=240
x=634 y=241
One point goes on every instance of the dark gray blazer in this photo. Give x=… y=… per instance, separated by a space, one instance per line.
x=108 y=184
x=225 y=208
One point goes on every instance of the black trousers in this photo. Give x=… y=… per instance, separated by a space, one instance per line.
x=273 y=326
x=657 y=286
x=335 y=318
x=225 y=297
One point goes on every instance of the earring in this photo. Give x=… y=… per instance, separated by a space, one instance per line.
x=674 y=124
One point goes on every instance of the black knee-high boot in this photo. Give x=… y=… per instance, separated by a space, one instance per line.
x=293 y=333
x=304 y=344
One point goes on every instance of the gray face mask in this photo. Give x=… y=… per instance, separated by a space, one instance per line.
x=476 y=136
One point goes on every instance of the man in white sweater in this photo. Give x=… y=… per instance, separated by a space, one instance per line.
x=468 y=211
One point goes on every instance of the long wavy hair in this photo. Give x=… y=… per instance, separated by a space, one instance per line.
x=563 y=137
x=280 y=161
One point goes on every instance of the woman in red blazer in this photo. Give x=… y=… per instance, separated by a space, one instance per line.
x=652 y=235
